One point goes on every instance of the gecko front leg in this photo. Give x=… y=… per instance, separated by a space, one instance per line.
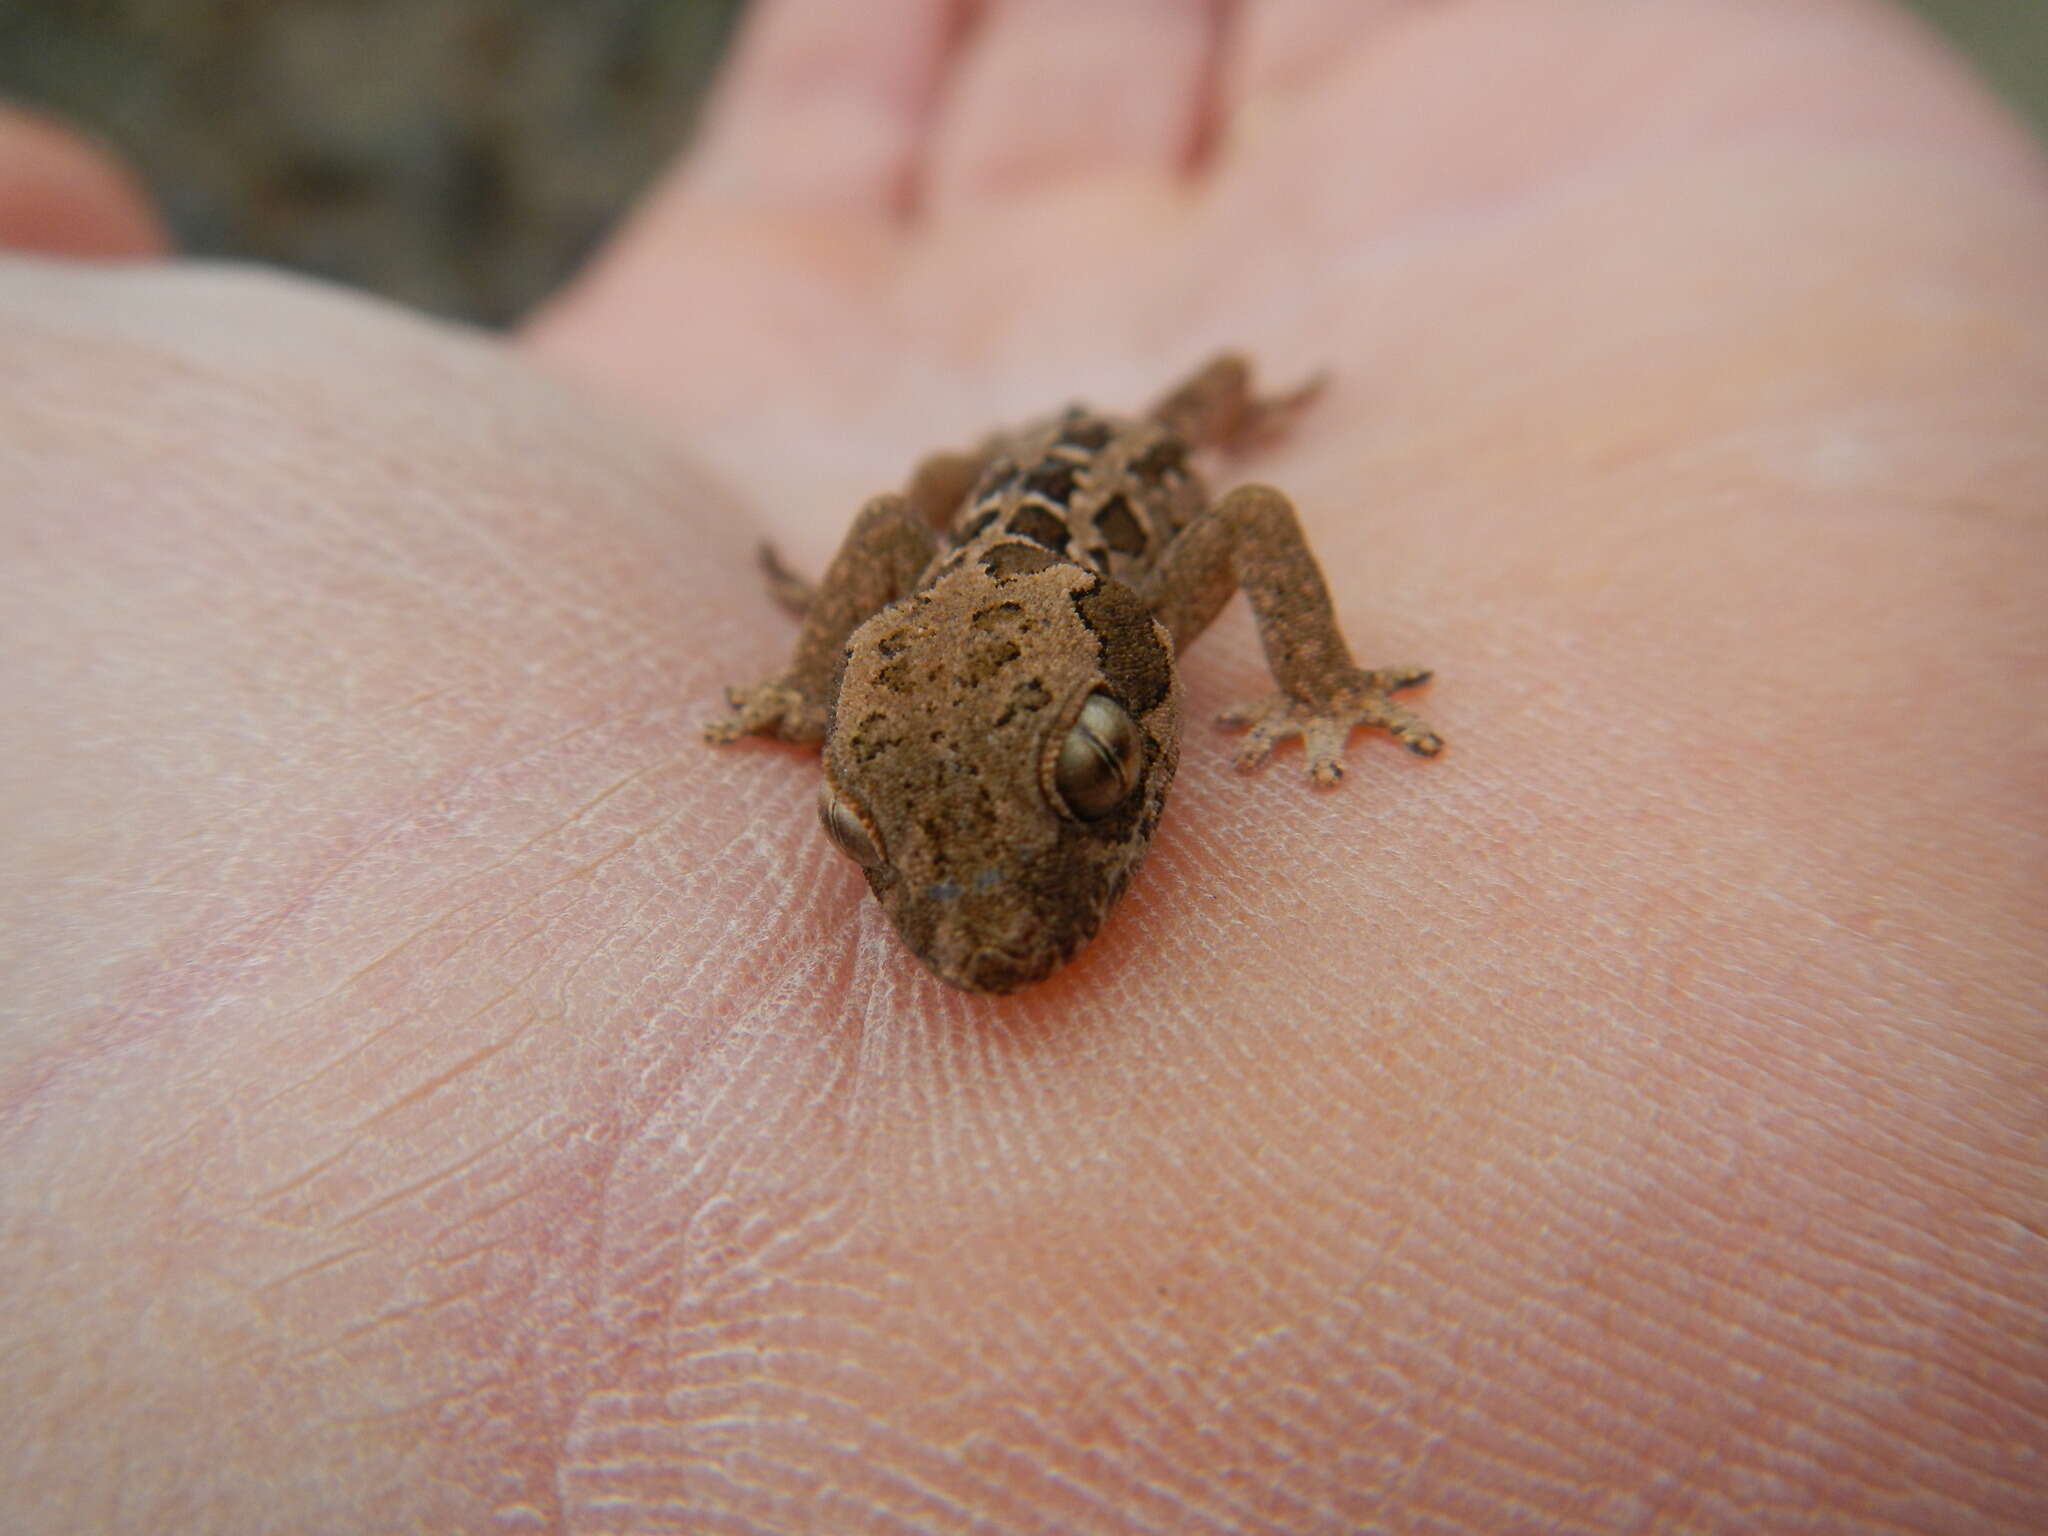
x=1252 y=539
x=888 y=547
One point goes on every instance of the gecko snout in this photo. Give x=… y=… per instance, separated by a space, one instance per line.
x=998 y=970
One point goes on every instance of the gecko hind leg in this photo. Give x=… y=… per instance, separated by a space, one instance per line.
x=790 y=591
x=937 y=486
x=1215 y=407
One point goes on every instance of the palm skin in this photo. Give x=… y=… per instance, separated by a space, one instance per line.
x=443 y=1093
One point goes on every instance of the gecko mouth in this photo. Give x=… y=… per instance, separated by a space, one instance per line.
x=998 y=970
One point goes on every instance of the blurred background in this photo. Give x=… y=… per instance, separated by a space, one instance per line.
x=463 y=156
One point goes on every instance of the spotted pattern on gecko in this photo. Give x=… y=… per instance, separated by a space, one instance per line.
x=989 y=665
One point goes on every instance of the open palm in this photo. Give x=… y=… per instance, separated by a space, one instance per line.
x=443 y=1094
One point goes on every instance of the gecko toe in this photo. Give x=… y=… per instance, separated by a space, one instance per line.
x=1257 y=748
x=1322 y=737
x=1394 y=679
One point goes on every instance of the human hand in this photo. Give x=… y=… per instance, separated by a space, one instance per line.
x=445 y=1095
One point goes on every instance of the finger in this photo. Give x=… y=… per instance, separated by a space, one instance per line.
x=1056 y=90
x=826 y=105
x=1279 y=44
x=62 y=196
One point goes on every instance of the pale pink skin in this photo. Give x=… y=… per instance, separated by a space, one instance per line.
x=439 y=1093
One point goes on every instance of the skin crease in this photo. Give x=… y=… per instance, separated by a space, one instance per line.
x=437 y=1092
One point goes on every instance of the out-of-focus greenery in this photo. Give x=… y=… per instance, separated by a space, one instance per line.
x=462 y=155
x=459 y=155
x=2007 y=39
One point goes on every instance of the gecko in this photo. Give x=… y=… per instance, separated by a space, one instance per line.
x=989 y=665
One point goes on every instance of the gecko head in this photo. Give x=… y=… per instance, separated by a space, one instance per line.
x=1000 y=749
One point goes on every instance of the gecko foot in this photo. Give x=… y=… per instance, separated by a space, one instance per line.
x=774 y=708
x=1326 y=722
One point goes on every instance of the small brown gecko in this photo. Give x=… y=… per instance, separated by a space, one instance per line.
x=989 y=662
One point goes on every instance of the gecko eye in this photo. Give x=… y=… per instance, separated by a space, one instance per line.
x=848 y=828
x=1098 y=763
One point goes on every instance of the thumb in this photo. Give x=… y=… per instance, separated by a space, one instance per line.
x=63 y=196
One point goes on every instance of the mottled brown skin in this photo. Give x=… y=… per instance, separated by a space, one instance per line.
x=948 y=653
